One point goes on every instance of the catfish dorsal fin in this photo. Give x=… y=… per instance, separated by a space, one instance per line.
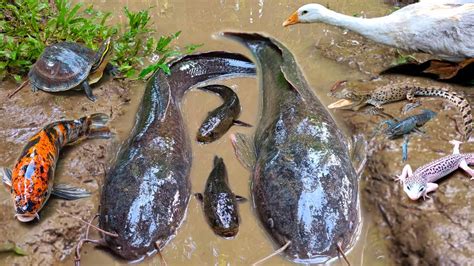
x=292 y=73
x=294 y=86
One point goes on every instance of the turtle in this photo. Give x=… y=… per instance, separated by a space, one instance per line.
x=69 y=65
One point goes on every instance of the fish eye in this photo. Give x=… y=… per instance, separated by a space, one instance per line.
x=304 y=12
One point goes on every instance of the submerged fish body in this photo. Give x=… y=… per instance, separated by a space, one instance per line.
x=31 y=179
x=218 y=121
x=219 y=202
x=304 y=187
x=146 y=192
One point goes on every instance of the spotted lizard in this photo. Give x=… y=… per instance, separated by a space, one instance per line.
x=351 y=99
x=421 y=182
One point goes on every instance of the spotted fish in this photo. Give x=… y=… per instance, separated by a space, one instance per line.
x=219 y=202
x=31 y=180
x=218 y=121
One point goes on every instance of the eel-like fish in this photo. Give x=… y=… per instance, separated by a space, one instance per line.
x=31 y=181
x=218 y=121
x=146 y=192
x=219 y=202
x=304 y=186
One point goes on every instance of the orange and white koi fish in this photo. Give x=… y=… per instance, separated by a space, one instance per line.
x=31 y=180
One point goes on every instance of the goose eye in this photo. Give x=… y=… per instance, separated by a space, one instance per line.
x=304 y=12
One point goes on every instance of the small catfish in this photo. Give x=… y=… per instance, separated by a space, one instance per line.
x=223 y=117
x=31 y=181
x=220 y=204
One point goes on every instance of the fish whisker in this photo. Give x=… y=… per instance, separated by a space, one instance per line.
x=278 y=251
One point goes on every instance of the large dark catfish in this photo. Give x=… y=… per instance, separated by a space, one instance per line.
x=146 y=192
x=304 y=186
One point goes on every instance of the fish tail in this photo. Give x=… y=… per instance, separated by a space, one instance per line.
x=95 y=126
x=461 y=103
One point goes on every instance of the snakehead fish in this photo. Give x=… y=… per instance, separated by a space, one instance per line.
x=146 y=191
x=31 y=180
x=304 y=187
x=421 y=182
x=218 y=121
x=351 y=99
x=219 y=202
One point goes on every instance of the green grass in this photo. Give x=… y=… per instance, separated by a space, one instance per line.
x=28 y=26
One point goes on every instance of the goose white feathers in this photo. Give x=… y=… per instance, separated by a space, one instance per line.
x=439 y=27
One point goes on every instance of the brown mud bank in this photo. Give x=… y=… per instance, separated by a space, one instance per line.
x=436 y=231
x=56 y=234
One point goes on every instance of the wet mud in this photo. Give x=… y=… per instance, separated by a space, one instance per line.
x=395 y=230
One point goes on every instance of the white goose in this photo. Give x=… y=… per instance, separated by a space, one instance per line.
x=442 y=28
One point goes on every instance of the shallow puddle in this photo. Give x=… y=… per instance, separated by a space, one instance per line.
x=200 y=22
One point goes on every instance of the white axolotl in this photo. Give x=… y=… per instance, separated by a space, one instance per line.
x=421 y=182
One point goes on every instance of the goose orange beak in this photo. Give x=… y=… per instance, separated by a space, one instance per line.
x=293 y=19
x=340 y=104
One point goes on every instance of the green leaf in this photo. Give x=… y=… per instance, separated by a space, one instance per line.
x=147 y=71
x=10 y=246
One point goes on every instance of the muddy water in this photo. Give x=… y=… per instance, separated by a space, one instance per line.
x=195 y=243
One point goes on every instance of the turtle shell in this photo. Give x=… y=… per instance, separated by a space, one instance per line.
x=62 y=66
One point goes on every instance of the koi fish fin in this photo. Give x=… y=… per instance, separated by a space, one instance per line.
x=68 y=192
x=358 y=153
x=244 y=150
x=240 y=198
x=97 y=128
x=199 y=197
x=242 y=124
x=6 y=174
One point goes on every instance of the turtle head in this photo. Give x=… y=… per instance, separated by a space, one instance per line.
x=103 y=54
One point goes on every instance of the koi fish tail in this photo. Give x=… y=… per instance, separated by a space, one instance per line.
x=95 y=127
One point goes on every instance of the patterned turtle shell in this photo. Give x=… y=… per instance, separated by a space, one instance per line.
x=62 y=66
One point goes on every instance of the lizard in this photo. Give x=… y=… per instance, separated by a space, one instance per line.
x=421 y=182
x=351 y=99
